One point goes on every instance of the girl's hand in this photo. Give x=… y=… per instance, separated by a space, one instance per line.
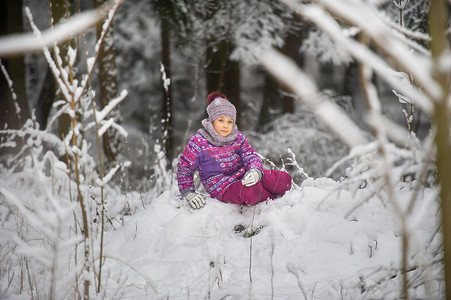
x=251 y=177
x=196 y=200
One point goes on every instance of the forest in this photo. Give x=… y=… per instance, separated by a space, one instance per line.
x=98 y=99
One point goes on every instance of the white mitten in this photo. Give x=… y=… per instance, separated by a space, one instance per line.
x=195 y=200
x=251 y=177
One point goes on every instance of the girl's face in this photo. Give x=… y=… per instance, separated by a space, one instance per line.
x=223 y=126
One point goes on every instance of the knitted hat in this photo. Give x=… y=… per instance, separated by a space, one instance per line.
x=219 y=106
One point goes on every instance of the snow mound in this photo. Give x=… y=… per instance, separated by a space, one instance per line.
x=300 y=244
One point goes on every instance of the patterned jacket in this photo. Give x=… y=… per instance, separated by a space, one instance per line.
x=219 y=167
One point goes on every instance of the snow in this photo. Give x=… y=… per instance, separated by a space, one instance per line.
x=323 y=239
x=72 y=55
x=107 y=178
x=110 y=106
x=107 y=23
x=91 y=63
x=197 y=254
x=166 y=81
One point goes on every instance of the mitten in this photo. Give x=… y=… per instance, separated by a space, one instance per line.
x=196 y=200
x=251 y=177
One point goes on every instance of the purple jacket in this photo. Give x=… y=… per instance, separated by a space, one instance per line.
x=219 y=167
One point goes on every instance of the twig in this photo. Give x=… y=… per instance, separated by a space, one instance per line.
x=13 y=94
x=273 y=246
x=148 y=280
x=29 y=279
x=301 y=287
x=99 y=152
x=250 y=247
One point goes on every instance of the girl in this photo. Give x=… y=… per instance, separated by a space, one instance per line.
x=229 y=168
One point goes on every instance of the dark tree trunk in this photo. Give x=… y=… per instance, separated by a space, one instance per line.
x=59 y=11
x=273 y=99
x=11 y=22
x=232 y=85
x=106 y=75
x=223 y=75
x=45 y=99
x=270 y=102
x=291 y=49
x=216 y=62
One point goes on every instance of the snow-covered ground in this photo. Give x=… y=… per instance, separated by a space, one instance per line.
x=307 y=246
x=321 y=240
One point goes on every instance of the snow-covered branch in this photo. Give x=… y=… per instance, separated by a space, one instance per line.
x=323 y=20
x=362 y=15
x=107 y=178
x=23 y=43
x=286 y=72
x=101 y=115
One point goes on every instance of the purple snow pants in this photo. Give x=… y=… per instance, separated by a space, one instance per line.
x=274 y=183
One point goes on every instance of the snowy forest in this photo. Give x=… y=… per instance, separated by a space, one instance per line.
x=100 y=97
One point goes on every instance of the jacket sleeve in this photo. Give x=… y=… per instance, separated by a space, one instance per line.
x=249 y=157
x=189 y=161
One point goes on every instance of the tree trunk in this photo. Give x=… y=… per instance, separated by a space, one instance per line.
x=45 y=99
x=166 y=105
x=439 y=46
x=232 y=85
x=223 y=75
x=59 y=11
x=270 y=102
x=11 y=22
x=273 y=99
x=106 y=75
x=291 y=49
x=216 y=61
